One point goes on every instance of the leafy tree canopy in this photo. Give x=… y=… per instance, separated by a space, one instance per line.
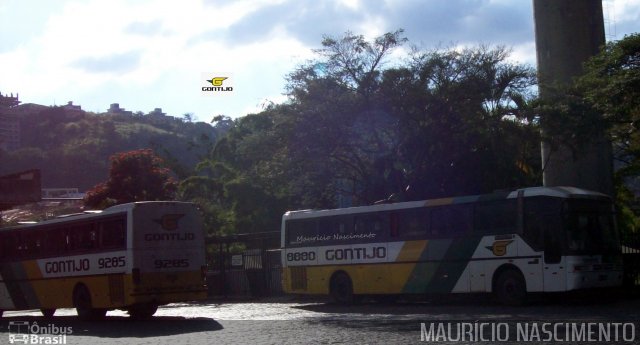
x=610 y=87
x=137 y=175
x=604 y=101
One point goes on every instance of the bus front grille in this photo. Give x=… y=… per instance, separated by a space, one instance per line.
x=298 y=278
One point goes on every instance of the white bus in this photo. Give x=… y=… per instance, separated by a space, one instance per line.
x=510 y=244
x=133 y=256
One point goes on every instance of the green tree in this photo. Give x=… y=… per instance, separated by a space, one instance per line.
x=605 y=99
x=462 y=122
x=238 y=183
x=137 y=175
x=447 y=122
x=610 y=91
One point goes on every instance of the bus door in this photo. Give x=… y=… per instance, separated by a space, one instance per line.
x=554 y=265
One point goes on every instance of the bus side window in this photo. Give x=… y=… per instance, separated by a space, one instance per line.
x=342 y=224
x=360 y=224
x=496 y=217
x=8 y=245
x=335 y=225
x=370 y=223
x=552 y=244
x=84 y=237
x=413 y=223
x=374 y=225
x=300 y=231
x=67 y=239
x=14 y=246
x=112 y=233
x=539 y=213
x=451 y=220
x=32 y=243
x=3 y=253
x=380 y=224
x=54 y=241
x=394 y=224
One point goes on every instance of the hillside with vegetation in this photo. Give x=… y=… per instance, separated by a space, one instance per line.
x=72 y=148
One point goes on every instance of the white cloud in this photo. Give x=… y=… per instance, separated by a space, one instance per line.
x=621 y=10
x=524 y=53
x=621 y=17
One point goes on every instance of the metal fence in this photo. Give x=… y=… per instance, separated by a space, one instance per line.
x=254 y=272
x=631 y=260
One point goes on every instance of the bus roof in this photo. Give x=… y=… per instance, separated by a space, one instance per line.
x=559 y=192
x=122 y=208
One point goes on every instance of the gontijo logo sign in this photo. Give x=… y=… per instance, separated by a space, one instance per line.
x=216 y=83
x=499 y=247
x=169 y=223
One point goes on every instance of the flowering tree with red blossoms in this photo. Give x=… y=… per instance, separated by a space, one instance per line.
x=137 y=175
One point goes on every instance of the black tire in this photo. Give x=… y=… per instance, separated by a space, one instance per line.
x=83 y=305
x=142 y=310
x=510 y=288
x=48 y=313
x=341 y=288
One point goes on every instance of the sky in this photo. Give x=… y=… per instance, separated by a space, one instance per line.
x=146 y=54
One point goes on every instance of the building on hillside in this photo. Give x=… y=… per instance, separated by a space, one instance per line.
x=115 y=109
x=61 y=193
x=157 y=112
x=71 y=108
x=9 y=123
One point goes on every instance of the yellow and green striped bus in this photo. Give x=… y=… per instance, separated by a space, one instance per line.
x=133 y=257
x=507 y=243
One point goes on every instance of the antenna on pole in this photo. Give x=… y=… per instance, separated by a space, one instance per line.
x=609 y=20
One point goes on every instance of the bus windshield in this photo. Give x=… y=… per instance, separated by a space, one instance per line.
x=590 y=227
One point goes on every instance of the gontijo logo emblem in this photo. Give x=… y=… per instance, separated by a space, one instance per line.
x=499 y=248
x=169 y=222
x=217 y=85
x=217 y=81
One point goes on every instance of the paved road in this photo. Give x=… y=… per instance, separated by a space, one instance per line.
x=304 y=322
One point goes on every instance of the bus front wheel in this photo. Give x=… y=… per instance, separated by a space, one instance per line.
x=510 y=288
x=84 y=307
x=341 y=288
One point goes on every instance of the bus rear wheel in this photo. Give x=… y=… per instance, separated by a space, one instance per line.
x=341 y=288
x=510 y=288
x=84 y=307
x=48 y=313
x=142 y=310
